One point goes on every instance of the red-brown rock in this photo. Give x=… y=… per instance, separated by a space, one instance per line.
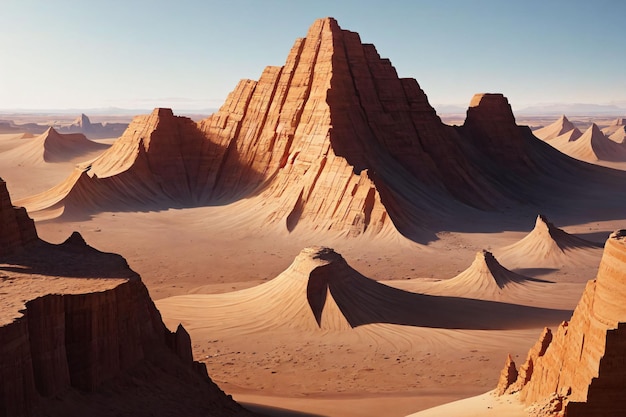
x=79 y=335
x=583 y=365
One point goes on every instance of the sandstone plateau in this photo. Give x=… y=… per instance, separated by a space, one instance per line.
x=578 y=369
x=81 y=336
x=333 y=141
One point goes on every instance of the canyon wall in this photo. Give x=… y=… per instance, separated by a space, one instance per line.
x=580 y=370
x=79 y=335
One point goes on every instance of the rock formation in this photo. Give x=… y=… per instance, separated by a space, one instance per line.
x=562 y=130
x=83 y=125
x=332 y=141
x=17 y=230
x=579 y=371
x=79 y=335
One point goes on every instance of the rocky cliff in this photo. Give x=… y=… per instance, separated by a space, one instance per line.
x=579 y=370
x=79 y=335
x=334 y=140
x=17 y=230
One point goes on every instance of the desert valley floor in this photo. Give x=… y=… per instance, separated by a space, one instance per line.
x=334 y=247
x=233 y=289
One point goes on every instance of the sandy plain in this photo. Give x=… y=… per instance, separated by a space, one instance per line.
x=203 y=264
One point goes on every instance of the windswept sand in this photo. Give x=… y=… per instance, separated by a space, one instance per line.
x=262 y=356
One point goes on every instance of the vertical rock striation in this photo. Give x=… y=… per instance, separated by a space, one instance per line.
x=582 y=365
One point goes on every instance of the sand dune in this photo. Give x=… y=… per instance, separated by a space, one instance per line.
x=320 y=291
x=547 y=246
x=593 y=146
x=52 y=146
x=617 y=127
x=560 y=130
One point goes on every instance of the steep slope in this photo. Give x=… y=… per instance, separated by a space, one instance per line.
x=334 y=141
x=617 y=126
x=52 y=146
x=17 y=230
x=560 y=130
x=547 y=246
x=321 y=292
x=486 y=279
x=79 y=335
x=578 y=370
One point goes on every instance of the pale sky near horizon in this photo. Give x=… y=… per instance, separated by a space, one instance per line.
x=189 y=54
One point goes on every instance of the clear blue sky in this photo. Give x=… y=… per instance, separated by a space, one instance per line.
x=189 y=54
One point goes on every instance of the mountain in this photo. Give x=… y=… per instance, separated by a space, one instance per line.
x=79 y=335
x=573 y=109
x=575 y=371
x=334 y=142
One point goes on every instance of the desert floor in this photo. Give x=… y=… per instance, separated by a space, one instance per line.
x=192 y=259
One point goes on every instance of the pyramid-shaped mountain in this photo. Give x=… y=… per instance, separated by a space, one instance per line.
x=332 y=141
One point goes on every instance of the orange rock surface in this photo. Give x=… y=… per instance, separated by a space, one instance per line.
x=581 y=365
x=81 y=336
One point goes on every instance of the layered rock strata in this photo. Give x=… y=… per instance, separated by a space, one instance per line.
x=580 y=369
x=334 y=140
x=79 y=335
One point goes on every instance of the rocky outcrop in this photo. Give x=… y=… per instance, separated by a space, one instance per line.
x=332 y=141
x=17 y=230
x=582 y=364
x=508 y=376
x=83 y=125
x=79 y=335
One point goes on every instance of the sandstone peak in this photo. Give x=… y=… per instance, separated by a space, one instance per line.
x=620 y=121
x=490 y=106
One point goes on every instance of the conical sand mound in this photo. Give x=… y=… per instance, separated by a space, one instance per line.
x=320 y=291
x=487 y=279
x=52 y=146
x=547 y=246
x=619 y=135
x=592 y=146
x=618 y=125
x=561 y=130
